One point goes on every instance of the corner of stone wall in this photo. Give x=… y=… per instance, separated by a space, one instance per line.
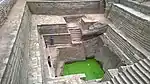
x=35 y=68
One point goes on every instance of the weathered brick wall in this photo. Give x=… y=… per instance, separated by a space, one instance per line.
x=24 y=35
x=5 y=7
x=59 y=39
x=53 y=29
x=128 y=36
x=16 y=71
x=73 y=53
x=95 y=47
x=133 y=27
x=127 y=48
x=92 y=46
x=115 y=49
x=64 y=7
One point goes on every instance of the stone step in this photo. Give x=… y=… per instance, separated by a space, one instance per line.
x=75 y=31
x=136 y=76
x=125 y=79
x=140 y=73
x=76 y=42
x=133 y=75
x=143 y=70
x=79 y=33
x=109 y=82
x=147 y=61
x=76 y=37
x=114 y=81
x=119 y=79
x=130 y=77
x=145 y=65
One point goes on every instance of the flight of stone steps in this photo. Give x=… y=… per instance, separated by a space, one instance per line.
x=129 y=32
x=74 y=29
x=139 y=73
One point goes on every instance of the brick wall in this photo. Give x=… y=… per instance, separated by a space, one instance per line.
x=52 y=29
x=95 y=47
x=5 y=7
x=59 y=39
x=126 y=47
x=92 y=46
x=73 y=53
x=64 y=7
x=16 y=71
x=133 y=27
x=128 y=36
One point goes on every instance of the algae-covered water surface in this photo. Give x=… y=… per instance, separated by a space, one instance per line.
x=90 y=67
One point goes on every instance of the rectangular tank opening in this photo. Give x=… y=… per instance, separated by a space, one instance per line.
x=90 y=67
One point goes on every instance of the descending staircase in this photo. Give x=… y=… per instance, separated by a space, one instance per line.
x=75 y=32
x=139 y=71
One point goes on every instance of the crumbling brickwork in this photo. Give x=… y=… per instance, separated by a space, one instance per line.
x=5 y=7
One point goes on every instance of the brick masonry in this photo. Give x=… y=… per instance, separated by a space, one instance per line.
x=63 y=7
x=59 y=39
x=54 y=28
x=17 y=67
x=5 y=7
x=20 y=51
x=133 y=27
x=137 y=6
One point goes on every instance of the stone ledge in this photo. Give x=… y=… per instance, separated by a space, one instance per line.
x=49 y=19
x=142 y=7
x=133 y=12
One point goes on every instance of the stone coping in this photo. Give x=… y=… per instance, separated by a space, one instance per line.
x=49 y=19
x=133 y=12
x=56 y=34
x=146 y=3
x=60 y=0
x=94 y=18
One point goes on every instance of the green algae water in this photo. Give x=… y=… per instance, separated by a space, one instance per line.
x=90 y=67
